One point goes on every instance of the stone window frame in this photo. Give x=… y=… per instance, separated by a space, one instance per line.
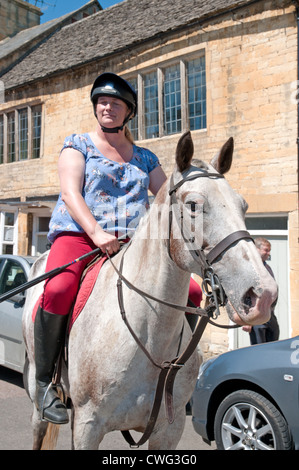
x=138 y=124
x=15 y=153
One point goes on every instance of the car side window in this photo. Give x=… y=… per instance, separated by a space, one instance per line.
x=13 y=276
x=2 y=262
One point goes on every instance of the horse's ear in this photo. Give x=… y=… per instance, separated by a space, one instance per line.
x=184 y=152
x=223 y=160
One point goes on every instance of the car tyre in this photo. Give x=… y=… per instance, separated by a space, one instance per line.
x=246 y=420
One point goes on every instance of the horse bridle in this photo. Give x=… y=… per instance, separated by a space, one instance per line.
x=211 y=284
x=214 y=293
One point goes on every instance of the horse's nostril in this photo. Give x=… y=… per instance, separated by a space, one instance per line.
x=249 y=299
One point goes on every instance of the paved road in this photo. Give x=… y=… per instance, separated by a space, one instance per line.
x=15 y=429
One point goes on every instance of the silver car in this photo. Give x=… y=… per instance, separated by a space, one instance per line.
x=14 y=272
x=247 y=399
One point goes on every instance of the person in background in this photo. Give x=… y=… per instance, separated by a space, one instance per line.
x=268 y=331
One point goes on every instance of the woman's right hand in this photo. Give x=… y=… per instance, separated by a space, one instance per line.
x=105 y=241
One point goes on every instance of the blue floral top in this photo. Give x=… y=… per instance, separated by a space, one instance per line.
x=116 y=193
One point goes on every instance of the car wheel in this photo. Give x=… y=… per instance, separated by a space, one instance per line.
x=246 y=420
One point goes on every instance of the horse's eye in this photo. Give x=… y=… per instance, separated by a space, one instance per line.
x=193 y=207
x=194 y=204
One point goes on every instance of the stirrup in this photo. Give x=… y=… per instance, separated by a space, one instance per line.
x=51 y=385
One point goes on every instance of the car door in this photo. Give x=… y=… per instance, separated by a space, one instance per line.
x=12 y=350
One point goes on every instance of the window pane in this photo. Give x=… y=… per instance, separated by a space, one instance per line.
x=151 y=113
x=133 y=123
x=196 y=76
x=8 y=234
x=9 y=219
x=42 y=244
x=23 y=134
x=172 y=100
x=36 y=130
x=267 y=223
x=1 y=139
x=11 y=137
x=7 y=249
x=43 y=224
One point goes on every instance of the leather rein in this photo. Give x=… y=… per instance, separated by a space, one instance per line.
x=211 y=287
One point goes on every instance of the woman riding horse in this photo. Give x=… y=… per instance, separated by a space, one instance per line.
x=104 y=179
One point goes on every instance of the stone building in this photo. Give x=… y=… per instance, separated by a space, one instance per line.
x=220 y=68
x=17 y=15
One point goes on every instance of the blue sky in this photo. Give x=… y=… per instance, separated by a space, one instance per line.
x=55 y=8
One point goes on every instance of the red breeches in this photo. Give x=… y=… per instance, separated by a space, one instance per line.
x=60 y=291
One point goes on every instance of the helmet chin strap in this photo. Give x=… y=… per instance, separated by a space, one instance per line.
x=114 y=130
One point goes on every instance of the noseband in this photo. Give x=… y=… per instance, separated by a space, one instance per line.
x=211 y=284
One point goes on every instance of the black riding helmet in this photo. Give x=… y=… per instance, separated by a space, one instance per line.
x=110 y=84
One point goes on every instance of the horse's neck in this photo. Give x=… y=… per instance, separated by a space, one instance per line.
x=150 y=261
x=151 y=241
x=149 y=268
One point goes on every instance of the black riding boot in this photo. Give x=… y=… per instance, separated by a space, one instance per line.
x=49 y=333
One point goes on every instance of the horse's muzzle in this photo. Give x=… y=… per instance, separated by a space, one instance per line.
x=254 y=307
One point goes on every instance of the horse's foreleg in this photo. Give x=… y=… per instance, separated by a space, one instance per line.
x=167 y=436
x=86 y=430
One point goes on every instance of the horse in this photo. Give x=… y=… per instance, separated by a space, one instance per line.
x=114 y=365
